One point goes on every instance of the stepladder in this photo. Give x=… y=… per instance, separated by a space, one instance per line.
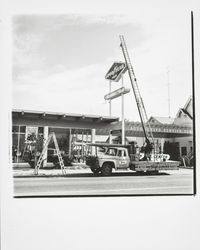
x=42 y=155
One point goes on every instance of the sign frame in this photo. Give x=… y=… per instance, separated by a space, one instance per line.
x=116 y=93
x=116 y=70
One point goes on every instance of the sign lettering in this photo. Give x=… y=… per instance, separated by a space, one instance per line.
x=115 y=72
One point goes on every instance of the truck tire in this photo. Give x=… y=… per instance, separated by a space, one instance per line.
x=106 y=170
x=95 y=170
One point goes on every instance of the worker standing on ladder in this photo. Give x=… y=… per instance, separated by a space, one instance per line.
x=147 y=149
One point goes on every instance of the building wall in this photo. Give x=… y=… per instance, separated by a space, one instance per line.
x=185 y=144
x=183 y=120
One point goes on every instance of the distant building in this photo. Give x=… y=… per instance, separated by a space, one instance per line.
x=161 y=120
x=184 y=116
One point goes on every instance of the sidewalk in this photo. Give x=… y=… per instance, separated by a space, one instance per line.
x=24 y=170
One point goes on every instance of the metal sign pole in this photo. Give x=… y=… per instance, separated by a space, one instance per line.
x=110 y=105
x=114 y=74
x=110 y=110
x=123 y=125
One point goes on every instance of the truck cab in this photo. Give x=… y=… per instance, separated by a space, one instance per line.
x=119 y=156
x=113 y=158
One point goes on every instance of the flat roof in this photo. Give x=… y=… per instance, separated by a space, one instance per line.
x=64 y=116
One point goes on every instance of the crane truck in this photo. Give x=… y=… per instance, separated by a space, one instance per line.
x=118 y=157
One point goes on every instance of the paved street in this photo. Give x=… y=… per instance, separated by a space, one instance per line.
x=85 y=183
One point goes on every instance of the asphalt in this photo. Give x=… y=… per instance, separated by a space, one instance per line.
x=80 y=181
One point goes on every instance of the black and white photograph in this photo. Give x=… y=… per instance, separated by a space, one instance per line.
x=100 y=124
x=102 y=105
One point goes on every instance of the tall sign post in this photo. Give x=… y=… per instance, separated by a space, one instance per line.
x=110 y=103
x=123 y=122
x=115 y=73
x=110 y=110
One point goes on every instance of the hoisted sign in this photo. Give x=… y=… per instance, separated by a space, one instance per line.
x=116 y=70
x=116 y=93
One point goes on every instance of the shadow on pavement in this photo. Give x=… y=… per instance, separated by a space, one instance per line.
x=91 y=175
x=118 y=174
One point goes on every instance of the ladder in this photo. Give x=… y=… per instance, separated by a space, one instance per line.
x=140 y=105
x=41 y=158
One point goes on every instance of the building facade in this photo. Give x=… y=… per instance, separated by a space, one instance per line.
x=171 y=135
x=71 y=130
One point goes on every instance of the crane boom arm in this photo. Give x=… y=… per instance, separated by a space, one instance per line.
x=140 y=105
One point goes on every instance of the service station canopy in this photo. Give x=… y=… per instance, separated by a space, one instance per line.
x=116 y=70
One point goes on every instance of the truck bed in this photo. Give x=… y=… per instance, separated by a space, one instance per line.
x=154 y=166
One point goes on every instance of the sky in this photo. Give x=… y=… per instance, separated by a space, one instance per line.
x=60 y=61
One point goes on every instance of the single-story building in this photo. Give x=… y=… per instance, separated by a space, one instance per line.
x=73 y=129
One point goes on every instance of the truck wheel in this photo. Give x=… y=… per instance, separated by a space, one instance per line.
x=106 y=170
x=95 y=170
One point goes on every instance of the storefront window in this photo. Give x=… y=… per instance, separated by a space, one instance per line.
x=183 y=151
x=18 y=142
x=15 y=129
x=40 y=130
x=22 y=129
x=21 y=142
x=71 y=142
x=31 y=130
x=79 y=140
x=62 y=136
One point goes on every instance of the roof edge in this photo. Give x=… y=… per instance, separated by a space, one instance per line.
x=65 y=114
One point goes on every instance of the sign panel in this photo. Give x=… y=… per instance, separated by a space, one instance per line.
x=116 y=70
x=116 y=93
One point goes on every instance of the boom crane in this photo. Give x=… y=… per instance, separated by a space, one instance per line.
x=140 y=105
x=128 y=156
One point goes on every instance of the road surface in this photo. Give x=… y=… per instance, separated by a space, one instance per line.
x=123 y=183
